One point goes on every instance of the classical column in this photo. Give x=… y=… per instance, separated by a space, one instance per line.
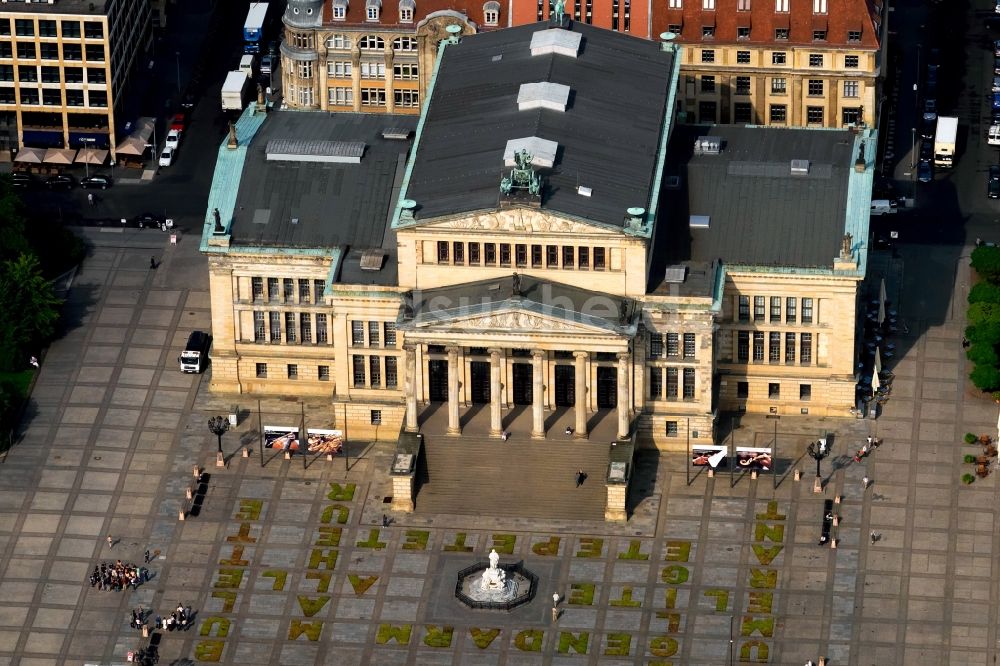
x=622 y=402
x=453 y=424
x=537 y=395
x=411 y=388
x=580 y=394
x=496 y=424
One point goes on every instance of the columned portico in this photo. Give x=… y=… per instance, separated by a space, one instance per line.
x=622 y=402
x=537 y=395
x=411 y=388
x=496 y=422
x=453 y=420
x=580 y=394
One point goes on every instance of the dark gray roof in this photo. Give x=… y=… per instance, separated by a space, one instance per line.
x=608 y=136
x=335 y=204
x=759 y=213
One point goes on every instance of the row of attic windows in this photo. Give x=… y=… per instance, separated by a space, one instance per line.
x=407 y=9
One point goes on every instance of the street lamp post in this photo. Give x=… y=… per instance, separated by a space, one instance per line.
x=178 y=54
x=86 y=161
x=219 y=425
x=817 y=450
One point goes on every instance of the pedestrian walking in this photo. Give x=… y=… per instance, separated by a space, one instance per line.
x=555 y=614
x=111 y=542
x=580 y=478
x=385 y=520
x=152 y=262
x=145 y=557
x=874 y=537
x=33 y=361
x=864 y=483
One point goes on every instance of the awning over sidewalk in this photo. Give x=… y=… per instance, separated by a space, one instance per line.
x=30 y=155
x=59 y=156
x=131 y=146
x=143 y=129
x=91 y=156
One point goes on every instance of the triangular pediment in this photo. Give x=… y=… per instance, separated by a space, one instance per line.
x=521 y=316
x=520 y=221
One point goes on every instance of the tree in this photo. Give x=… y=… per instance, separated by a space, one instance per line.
x=983 y=353
x=986 y=261
x=988 y=332
x=982 y=313
x=13 y=241
x=32 y=307
x=985 y=377
x=984 y=292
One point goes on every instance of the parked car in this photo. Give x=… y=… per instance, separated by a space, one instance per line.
x=179 y=121
x=926 y=150
x=925 y=173
x=930 y=106
x=96 y=182
x=148 y=220
x=996 y=100
x=22 y=180
x=173 y=138
x=996 y=7
x=996 y=65
x=993 y=135
x=61 y=182
x=265 y=64
x=927 y=126
x=993 y=184
x=167 y=157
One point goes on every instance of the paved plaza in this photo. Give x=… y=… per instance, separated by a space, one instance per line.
x=290 y=565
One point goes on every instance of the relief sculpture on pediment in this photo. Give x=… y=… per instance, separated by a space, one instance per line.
x=517 y=221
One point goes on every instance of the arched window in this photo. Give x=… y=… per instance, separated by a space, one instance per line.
x=406 y=10
x=371 y=43
x=339 y=10
x=491 y=13
x=404 y=44
x=372 y=9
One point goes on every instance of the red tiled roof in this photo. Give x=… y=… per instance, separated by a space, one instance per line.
x=841 y=16
x=389 y=15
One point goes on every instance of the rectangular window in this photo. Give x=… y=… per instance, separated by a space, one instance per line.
x=742 y=112
x=290 y=327
x=815 y=59
x=391 y=372
x=293 y=371
x=491 y=253
x=390 y=334
x=259 y=329
x=406 y=98
x=673 y=345
x=321 y=331
x=319 y=286
x=807 y=310
x=744 y=308
x=671 y=428
x=305 y=327
x=777 y=113
x=789 y=348
x=758 y=346
x=73 y=52
x=742 y=32
x=358 y=362
x=374 y=331
x=742 y=5
x=257 y=288
x=743 y=57
x=95 y=52
x=806 y=349
x=743 y=346
x=552 y=256
x=774 y=391
x=815 y=87
x=778 y=58
x=656 y=345
x=304 y=289
x=584 y=258
x=93 y=30
x=708 y=84
x=272 y=289
x=372 y=14
x=814 y=115
x=49 y=51
x=819 y=35
x=671 y=383
x=708 y=4
x=805 y=391
x=323 y=373
x=275 y=325
x=781 y=34
x=775 y=309
x=288 y=289
x=742 y=85
x=707 y=55
x=790 y=309
x=358 y=333
x=458 y=252
x=689 y=383
x=689 y=345
x=536 y=256
x=69 y=29
x=374 y=371
x=340 y=96
x=24 y=27
x=442 y=252
x=655 y=383
x=599 y=254
x=521 y=255
x=474 y=258
x=851 y=115
x=850 y=89
x=774 y=347
x=742 y=389
x=568 y=253
x=675 y=4
x=505 y=254
x=373 y=97
x=708 y=31
x=853 y=36
x=819 y=6
x=781 y=5
x=758 y=308
x=405 y=15
x=26 y=50
x=261 y=370
x=339 y=69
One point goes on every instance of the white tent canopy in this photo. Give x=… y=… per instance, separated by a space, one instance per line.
x=30 y=155
x=59 y=156
x=91 y=156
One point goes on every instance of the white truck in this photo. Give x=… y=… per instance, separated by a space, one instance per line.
x=944 y=141
x=235 y=91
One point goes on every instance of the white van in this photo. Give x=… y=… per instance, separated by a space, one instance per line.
x=248 y=64
x=883 y=207
x=993 y=135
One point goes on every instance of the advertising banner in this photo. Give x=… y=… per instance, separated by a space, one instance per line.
x=710 y=455
x=753 y=458
x=286 y=438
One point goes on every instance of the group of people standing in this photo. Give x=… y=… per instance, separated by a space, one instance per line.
x=180 y=619
x=117 y=576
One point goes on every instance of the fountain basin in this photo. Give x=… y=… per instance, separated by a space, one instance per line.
x=519 y=587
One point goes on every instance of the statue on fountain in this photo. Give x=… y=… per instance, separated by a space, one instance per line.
x=494 y=578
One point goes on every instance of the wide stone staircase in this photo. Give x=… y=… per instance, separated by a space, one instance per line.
x=521 y=477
